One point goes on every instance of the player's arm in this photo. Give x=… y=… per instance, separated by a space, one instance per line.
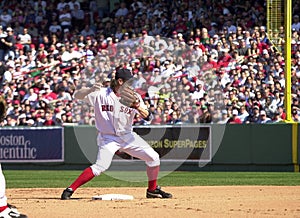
x=143 y=111
x=81 y=93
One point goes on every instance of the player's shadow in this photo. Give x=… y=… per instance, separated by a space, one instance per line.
x=51 y=198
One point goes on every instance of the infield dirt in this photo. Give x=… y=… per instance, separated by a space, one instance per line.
x=193 y=201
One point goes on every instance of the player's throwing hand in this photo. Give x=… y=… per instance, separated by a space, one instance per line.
x=96 y=87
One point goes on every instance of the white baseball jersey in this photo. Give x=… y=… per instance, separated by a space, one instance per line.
x=112 y=117
x=114 y=123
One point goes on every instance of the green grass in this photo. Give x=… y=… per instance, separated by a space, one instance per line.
x=61 y=179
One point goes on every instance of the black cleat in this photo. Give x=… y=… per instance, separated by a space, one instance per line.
x=67 y=193
x=158 y=193
x=11 y=206
x=11 y=213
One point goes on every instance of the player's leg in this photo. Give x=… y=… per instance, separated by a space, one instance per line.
x=139 y=148
x=3 y=199
x=5 y=209
x=106 y=151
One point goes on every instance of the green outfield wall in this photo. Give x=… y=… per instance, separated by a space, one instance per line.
x=251 y=147
x=241 y=147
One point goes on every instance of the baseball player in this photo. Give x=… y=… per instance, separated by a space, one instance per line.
x=6 y=210
x=115 y=108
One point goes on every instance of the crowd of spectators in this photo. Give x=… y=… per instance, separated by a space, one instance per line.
x=198 y=61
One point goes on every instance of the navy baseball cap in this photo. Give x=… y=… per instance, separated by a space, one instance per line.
x=124 y=74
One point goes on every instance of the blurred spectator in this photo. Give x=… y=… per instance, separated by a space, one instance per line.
x=49 y=94
x=3 y=35
x=55 y=27
x=87 y=31
x=205 y=116
x=49 y=120
x=9 y=43
x=5 y=18
x=296 y=22
x=295 y=115
x=25 y=39
x=224 y=117
x=63 y=95
x=73 y=4
x=40 y=5
x=65 y=18
x=61 y=5
x=122 y=11
x=264 y=118
x=234 y=119
x=77 y=16
x=31 y=96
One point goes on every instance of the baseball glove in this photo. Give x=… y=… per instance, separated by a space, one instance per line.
x=2 y=108
x=129 y=97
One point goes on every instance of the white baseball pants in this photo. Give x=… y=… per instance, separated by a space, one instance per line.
x=131 y=144
x=3 y=199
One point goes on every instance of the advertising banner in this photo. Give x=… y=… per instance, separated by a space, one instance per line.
x=34 y=144
x=176 y=143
